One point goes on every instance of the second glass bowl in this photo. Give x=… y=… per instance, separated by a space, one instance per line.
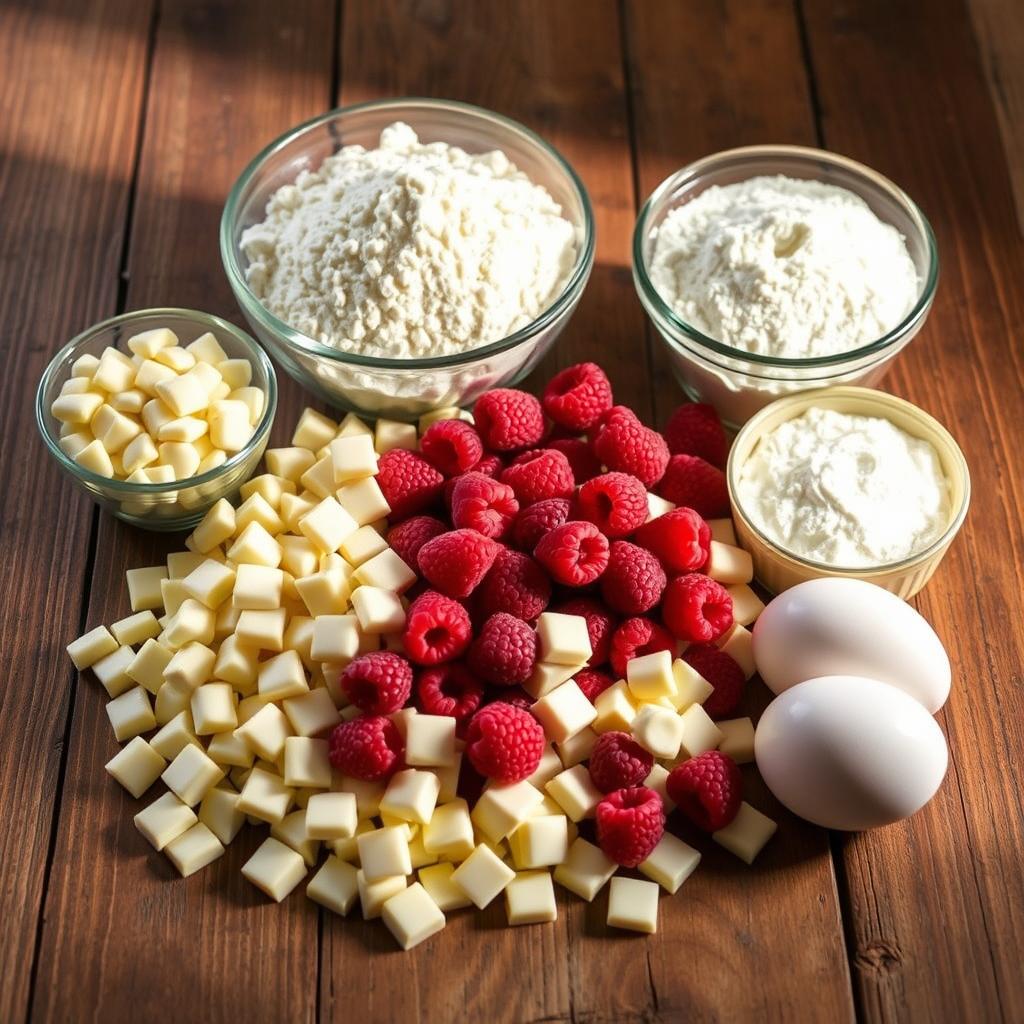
x=405 y=388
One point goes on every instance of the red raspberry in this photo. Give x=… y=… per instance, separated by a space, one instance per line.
x=450 y=690
x=369 y=747
x=630 y=822
x=538 y=475
x=483 y=504
x=636 y=637
x=515 y=584
x=600 y=625
x=437 y=629
x=517 y=697
x=489 y=465
x=695 y=429
x=576 y=397
x=582 y=460
x=615 y=503
x=452 y=446
x=504 y=651
x=691 y=481
x=618 y=762
x=617 y=414
x=708 y=789
x=634 y=580
x=456 y=562
x=507 y=419
x=505 y=743
x=592 y=683
x=574 y=553
x=407 y=538
x=378 y=683
x=625 y=445
x=409 y=483
x=696 y=608
x=680 y=539
x=723 y=672
x=535 y=520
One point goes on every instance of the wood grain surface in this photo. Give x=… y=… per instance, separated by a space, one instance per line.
x=122 y=128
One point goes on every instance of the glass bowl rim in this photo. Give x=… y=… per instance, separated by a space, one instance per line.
x=291 y=337
x=881 y=399
x=659 y=308
x=209 y=320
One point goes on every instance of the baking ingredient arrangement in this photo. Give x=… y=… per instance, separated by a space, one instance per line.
x=500 y=650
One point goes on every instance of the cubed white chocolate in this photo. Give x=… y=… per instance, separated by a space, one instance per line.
x=449 y=833
x=325 y=592
x=76 y=408
x=564 y=712
x=691 y=687
x=174 y=735
x=136 y=766
x=265 y=732
x=386 y=571
x=411 y=795
x=173 y=595
x=257 y=587
x=237 y=664
x=722 y=531
x=313 y=430
x=548 y=767
x=319 y=478
x=194 y=849
x=373 y=895
x=299 y=555
x=364 y=501
x=312 y=713
x=633 y=905
x=306 y=763
x=482 y=876
x=728 y=564
x=390 y=434
x=737 y=739
x=289 y=463
x=585 y=870
x=575 y=749
x=412 y=916
x=449 y=412
x=564 y=639
x=275 y=869
x=353 y=457
x=739 y=645
x=256 y=509
x=207 y=349
x=383 y=853
x=501 y=808
x=210 y=583
x=255 y=546
x=91 y=647
x=616 y=709
x=658 y=730
x=192 y=621
x=335 y=638
x=335 y=886
x=746 y=835
x=219 y=812
x=170 y=700
x=574 y=791
x=670 y=863
x=378 y=611
x=530 y=898
x=190 y=666
x=213 y=709
x=291 y=830
x=540 y=841
x=544 y=678
x=270 y=487
x=112 y=671
x=262 y=629
x=191 y=774
x=131 y=714
x=367 y=794
x=136 y=629
x=282 y=676
x=265 y=796
x=327 y=525
x=700 y=733
x=217 y=526
x=228 y=750
x=437 y=880
x=650 y=676
x=658 y=781
x=85 y=365
x=147 y=667
x=430 y=741
x=657 y=506
x=746 y=605
x=164 y=820
x=331 y=816
x=115 y=371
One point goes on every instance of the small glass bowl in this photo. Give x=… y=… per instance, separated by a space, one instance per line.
x=174 y=506
x=779 y=569
x=736 y=382
x=404 y=388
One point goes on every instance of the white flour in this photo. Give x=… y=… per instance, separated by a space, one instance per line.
x=409 y=250
x=784 y=267
x=849 y=491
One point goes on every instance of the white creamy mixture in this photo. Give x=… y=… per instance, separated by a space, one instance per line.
x=410 y=249
x=848 y=491
x=784 y=267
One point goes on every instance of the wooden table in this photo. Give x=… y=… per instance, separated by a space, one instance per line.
x=123 y=124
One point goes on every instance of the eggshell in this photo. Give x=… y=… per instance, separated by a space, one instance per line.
x=830 y=627
x=850 y=753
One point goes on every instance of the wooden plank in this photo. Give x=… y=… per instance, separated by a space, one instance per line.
x=938 y=902
x=124 y=935
x=707 y=77
x=65 y=176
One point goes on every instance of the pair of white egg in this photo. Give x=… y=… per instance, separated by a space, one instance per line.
x=850 y=742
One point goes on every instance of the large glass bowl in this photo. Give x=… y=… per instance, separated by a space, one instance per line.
x=181 y=504
x=739 y=383
x=404 y=388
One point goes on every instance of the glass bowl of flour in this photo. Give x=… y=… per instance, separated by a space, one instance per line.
x=406 y=255
x=773 y=269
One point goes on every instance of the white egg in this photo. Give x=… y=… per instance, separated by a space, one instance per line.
x=833 y=627
x=850 y=753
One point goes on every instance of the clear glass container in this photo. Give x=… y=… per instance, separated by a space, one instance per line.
x=736 y=382
x=181 y=504
x=404 y=388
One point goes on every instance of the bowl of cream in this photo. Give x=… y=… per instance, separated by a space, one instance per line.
x=846 y=482
x=773 y=269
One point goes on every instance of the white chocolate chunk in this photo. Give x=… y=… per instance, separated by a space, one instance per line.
x=191 y=774
x=219 y=812
x=183 y=428
x=191 y=622
x=95 y=458
x=411 y=795
x=386 y=571
x=746 y=605
x=213 y=709
x=335 y=886
x=722 y=531
x=289 y=463
x=449 y=833
x=616 y=709
x=257 y=509
x=265 y=796
x=378 y=611
x=112 y=671
x=331 y=816
x=190 y=667
x=115 y=372
x=352 y=458
x=658 y=730
x=449 y=412
x=530 y=898
x=657 y=506
x=255 y=546
x=585 y=870
x=257 y=587
x=412 y=916
x=217 y=526
x=502 y=807
x=327 y=525
x=131 y=714
x=164 y=820
x=373 y=895
x=739 y=645
x=383 y=853
x=282 y=676
x=306 y=763
x=564 y=639
x=549 y=766
x=136 y=766
x=546 y=678
x=237 y=664
x=564 y=712
x=746 y=835
x=575 y=749
x=271 y=488
x=136 y=629
x=670 y=863
x=148 y=343
x=228 y=750
x=312 y=713
x=541 y=841
x=275 y=869
x=699 y=732
x=265 y=732
x=728 y=564
x=211 y=583
x=574 y=791
x=314 y=430
x=391 y=434
x=737 y=739
x=650 y=676
x=291 y=830
x=194 y=849
x=262 y=629
x=690 y=686
x=78 y=408
x=230 y=428
x=430 y=741
x=482 y=876
x=85 y=365
x=437 y=880
x=364 y=501
x=658 y=781
x=144 y=587
x=633 y=905
x=335 y=638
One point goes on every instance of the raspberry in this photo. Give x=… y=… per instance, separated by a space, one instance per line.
x=539 y=475
x=505 y=743
x=617 y=414
x=634 y=580
x=489 y=465
x=508 y=420
x=378 y=683
x=625 y=445
x=576 y=397
x=408 y=482
x=407 y=538
x=584 y=463
x=437 y=629
x=695 y=429
x=696 y=608
x=618 y=762
x=504 y=651
x=680 y=539
x=574 y=553
x=708 y=789
x=535 y=520
x=615 y=503
x=452 y=446
x=723 y=672
x=456 y=562
x=600 y=625
x=636 y=637
x=691 y=481
x=483 y=504
x=369 y=747
x=629 y=824
x=592 y=683
x=515 y=584
x=450 y=690
x=518 y=698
